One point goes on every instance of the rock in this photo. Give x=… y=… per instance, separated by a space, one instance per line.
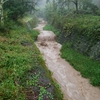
x=43 y=44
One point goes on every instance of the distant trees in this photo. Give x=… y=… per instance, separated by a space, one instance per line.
x=47 y=1
x=85 y=5
x=14 y=9
x=1 y=10
x=56 y=10
x=81 y=4
x=97 y=2
x=17 y=8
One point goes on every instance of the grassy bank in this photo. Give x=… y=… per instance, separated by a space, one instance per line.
x=51 y=28
x=89 y=68
x=16 y=50
x=23 y=74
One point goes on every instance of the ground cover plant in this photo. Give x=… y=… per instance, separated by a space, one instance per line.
x=89 y=68
x=23 y=75
x=86 y=25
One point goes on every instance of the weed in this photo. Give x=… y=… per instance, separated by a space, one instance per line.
x=43 y=91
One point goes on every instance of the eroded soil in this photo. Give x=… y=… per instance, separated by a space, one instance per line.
x=73 y=85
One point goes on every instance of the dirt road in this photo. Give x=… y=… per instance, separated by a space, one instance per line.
x=73 y=85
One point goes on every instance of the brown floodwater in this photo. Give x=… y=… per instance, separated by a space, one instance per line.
x=73 y=85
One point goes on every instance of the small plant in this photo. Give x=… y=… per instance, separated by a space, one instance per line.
x=33 y=81
x=43 y=92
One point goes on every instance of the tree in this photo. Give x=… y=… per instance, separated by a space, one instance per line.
x=76 y=2
x=47 y=1
x=64 y=3
x=17 y=8
x=86 y=4
x=1 y=10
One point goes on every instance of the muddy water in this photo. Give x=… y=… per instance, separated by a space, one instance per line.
x=73 y=85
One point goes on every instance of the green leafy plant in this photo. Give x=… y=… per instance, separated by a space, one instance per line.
x=43 y=91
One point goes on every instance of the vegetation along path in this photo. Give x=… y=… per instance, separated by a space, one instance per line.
x=73 y=85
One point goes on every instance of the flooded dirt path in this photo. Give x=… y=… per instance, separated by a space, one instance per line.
x=73 y=85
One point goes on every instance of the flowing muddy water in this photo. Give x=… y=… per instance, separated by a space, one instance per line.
x=73 y=85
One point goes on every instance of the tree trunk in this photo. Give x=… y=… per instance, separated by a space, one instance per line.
x=1 y=12
x=76 y=6
x=68 y=4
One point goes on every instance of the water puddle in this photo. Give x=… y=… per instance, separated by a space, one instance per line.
x=73 y=85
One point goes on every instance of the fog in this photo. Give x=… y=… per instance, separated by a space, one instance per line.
x=97 y=2
x=42 y=3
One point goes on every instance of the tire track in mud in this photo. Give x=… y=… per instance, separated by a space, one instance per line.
x=73 y=85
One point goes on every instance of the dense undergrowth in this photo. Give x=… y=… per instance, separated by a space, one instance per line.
x=23 y=75
x=86 y=25
x=31 y=19
x=83 y=32
x=80 y=27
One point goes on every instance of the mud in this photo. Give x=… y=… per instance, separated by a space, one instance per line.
x=73 y=85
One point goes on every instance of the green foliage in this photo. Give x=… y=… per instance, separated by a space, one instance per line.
x=51 y=28
x=34 y=34
x=57 y=16
x=14 y=63
x=89 y=68
x=33 y=21
x=43 y=91
x=88 y=26
x=78 y=25
x=85 y=24
x=33 y=81
x=7 y=26
x=22 y=67
x=89 y=7
x=15 y=9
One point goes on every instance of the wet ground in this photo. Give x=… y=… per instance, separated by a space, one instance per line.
x=73 y=85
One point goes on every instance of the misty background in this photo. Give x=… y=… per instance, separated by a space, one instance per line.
x=42 y=3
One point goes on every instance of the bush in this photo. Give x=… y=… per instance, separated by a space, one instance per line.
x=88 y=26
x=7 y=26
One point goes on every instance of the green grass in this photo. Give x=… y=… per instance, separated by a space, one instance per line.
x=22 y=66
x=15 y=60
x=89 y=68
x=51 y=28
